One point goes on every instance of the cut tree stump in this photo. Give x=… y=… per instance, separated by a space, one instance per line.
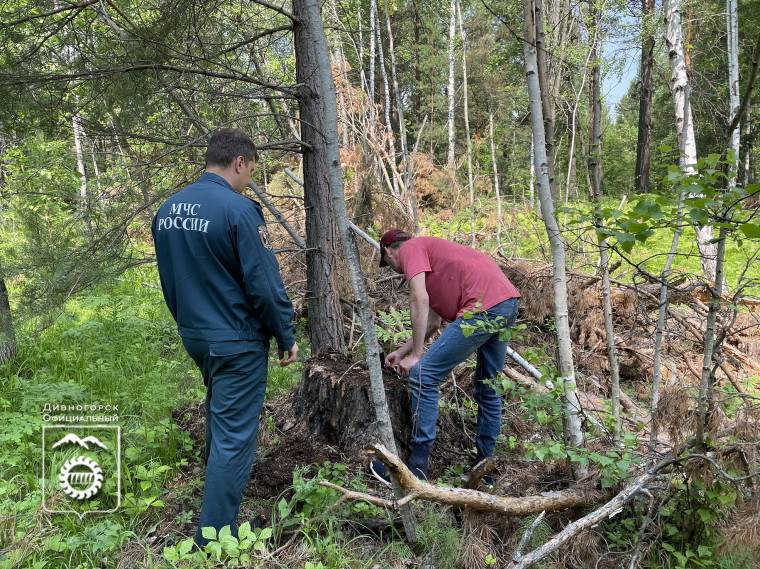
x=334 y=402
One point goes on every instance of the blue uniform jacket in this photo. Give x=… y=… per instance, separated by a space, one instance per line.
x=220 y=278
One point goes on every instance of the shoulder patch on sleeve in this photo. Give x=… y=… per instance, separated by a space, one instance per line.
x=264 y=235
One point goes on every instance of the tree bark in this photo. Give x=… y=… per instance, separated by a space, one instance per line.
x=732 y=28
x=641 y=176
x=547 y=105
x=387 y=105
x=495 y=176
x=466 y=498
x=679 y=84
x=573 y=434
x=708 y=377
x=307 y=12
x=467 y=128
x=596 y=177
x=8 y=345
x=450 y=90
x=325 y=316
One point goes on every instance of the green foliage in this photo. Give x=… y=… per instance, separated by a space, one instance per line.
x=685 y=534
x=396 y=326
x=223 y=547
x=441 y=537
x=709 y=200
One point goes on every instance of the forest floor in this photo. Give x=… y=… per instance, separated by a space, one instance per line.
x=286 y=445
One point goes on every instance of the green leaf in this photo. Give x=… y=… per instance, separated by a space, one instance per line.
x=170 y=554
x=751 y=230
x=209 y=533
x=185 y=546
x=244 y=530
x=698 y=215
x=265 y=534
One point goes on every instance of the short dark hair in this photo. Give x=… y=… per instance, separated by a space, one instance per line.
x=226 y=145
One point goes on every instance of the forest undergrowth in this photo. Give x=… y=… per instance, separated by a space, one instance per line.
x=116 y=345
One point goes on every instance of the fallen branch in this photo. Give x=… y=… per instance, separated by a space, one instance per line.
x=506 y=505
x=571 y=530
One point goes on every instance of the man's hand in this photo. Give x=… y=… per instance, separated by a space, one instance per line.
x=292 y=352
x=406 y=365
x=393 y=359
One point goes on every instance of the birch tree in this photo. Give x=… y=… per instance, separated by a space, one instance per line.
x=573 y=434
x=732 y=38
x=679 y=87
x=467 y=127
x=450 y=90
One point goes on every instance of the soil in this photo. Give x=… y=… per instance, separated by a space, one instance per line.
x=291 y=444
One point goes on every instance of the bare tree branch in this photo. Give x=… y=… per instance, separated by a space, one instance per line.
x=50 y=13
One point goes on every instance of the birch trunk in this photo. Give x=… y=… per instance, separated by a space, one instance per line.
x=596 y=176
x=545 y=93
x=679 y=86
x=467 y=128
x=387 y=106
x=495 y=176
x=8 y=345
x=573 y=434
x=307 y=12
x=663 y=308
x=372 y=51
x=400 y=110
x=84 y=209
x=709 y=340
x=450 y=90
x=732 y=27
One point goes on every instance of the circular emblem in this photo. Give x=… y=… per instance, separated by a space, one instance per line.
x=81 y=477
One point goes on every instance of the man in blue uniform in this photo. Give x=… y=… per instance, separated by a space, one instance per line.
x=222 y=284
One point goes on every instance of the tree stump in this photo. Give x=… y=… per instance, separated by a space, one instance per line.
x=334 y=402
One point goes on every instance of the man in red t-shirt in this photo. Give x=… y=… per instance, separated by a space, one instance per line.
x=461 y=285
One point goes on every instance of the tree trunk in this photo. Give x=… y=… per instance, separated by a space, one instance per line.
x=325 y=316
x=495 y=176
x=547 y=105
x=387 y=106
x=341 y=409
x=663 y=307
x=641 y=177
x=84 y=206
x=679 y=83
x=311 y=31
x=573 y=434
x=732 y=27
x=708 y=377
x=595 y=108
x=8 y=345
x=450 y=91
x=467 y=128
x=400 y=110
x=596 y=177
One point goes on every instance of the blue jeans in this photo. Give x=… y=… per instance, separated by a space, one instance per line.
x=448 y=351
x=235 y=374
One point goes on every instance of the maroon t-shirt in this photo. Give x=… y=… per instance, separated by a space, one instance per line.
x=456 y=277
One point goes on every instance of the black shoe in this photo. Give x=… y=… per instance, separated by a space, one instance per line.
x=378 y=470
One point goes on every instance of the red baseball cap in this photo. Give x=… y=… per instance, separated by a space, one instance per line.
x=388 y=238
